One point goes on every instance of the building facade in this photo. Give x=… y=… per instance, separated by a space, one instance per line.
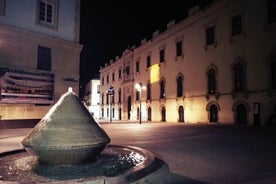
x=217 y=65
x=92 y=98
x=39 y=55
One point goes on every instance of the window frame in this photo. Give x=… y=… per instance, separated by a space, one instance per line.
x=54 y=16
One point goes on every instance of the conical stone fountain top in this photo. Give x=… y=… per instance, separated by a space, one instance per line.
x=66 y=135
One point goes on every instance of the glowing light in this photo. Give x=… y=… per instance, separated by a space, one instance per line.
x=70 y=89
x=154 y=73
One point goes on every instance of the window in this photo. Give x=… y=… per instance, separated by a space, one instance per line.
x=120 y=73
x=98 y=89
x=47 y=13
x=107 y=79
x=102 y=98
x=148 y=91
x=212 y=81
x=137 y=66
x=44 y=58
x=273 y=72
x=107 y=99
x=102 y=80
x=162 y=55
x=271 y=11
x=113 y=98
x=148 y=61
x=113 y=76
x=210 y=35
x=2 y=7
x=178 y=48
x=162 y=89
x=120 y=94
x=137 y=95
x=239 y=77
x=127 y=70
x=179 y=86
x=236 y=25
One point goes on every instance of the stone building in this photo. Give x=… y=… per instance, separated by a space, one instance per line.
x=216 y=65
x=39 y=55
x=92 y=97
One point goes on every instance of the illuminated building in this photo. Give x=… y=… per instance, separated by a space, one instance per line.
x=92 y=97
x=39 y=55
x=217 y=65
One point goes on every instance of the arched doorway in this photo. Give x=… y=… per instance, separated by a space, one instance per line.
x=138 y=113
x=120 y=113
x=213 y=116
x=241 y=114
x=163 y=114
x=149 y=114
x=128 y=107
x=181 y=114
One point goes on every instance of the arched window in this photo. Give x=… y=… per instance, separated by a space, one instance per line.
x=239 y=77
x=212 y=86
x=162 y=89
x=148 y=91
x=179 y=86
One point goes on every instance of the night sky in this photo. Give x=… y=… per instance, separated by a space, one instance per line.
x=108 y=28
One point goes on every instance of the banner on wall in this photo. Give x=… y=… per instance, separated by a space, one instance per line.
x=29 y=87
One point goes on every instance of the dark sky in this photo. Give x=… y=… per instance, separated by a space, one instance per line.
x=109 y=27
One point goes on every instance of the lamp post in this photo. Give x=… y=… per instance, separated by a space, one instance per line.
x=110 y=93
x=139 y=87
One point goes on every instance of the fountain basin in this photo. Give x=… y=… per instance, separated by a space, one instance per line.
x=115 y=164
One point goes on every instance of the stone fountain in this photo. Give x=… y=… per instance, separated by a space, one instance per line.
x=66 y=135
x=69 y=146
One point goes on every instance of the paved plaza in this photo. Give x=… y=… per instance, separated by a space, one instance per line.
x=199 y=153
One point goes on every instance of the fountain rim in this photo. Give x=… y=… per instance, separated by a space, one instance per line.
x=63 y=147
x=148 y=166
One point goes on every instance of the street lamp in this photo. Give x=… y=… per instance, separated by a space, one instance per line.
x=110 y=93
x=139 y=87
